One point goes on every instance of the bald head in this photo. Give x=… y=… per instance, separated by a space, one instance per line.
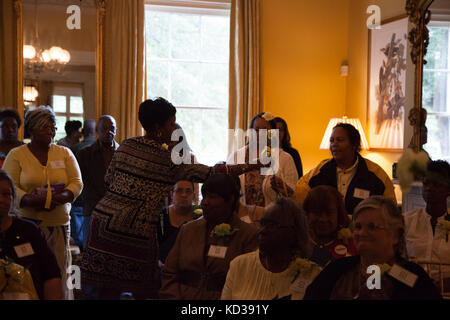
x=106 y=129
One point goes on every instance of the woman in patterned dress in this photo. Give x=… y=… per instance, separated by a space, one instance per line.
x=122 y=248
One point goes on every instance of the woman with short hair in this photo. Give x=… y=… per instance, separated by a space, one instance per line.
x=355 y=177
x=197 y=265
x=379 y=233
x=328 y=225
x=9 y=126
x=45 y=280
x=122 y=248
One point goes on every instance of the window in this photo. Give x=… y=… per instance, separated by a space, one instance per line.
x=67 y=102
x=187 y=64
x=436 y=91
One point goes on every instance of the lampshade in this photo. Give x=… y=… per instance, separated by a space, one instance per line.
x=325 y=144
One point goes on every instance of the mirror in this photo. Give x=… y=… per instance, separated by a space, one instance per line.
x=419 y=16
x=435 y=90
x=61 y=57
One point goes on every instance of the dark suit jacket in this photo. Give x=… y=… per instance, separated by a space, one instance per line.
x=93 y=172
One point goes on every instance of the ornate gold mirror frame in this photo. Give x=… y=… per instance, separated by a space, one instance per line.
x=419 y=16
x=100 y=14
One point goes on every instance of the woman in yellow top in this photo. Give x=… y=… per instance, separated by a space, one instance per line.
x=48 y=179
x=280 y=268
x=355 y=177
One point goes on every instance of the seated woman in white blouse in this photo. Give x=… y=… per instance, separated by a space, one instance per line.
x=279 y=268
x=426 y=236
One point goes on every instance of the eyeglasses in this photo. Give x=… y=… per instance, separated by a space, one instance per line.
x=370 y=226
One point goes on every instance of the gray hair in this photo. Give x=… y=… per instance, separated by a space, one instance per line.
x=392 y=217
x=301 y=226
x=37 y=117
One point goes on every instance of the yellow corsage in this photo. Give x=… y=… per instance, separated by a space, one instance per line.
x=198 y=212
x=345 y=234
x=165 y=146
x=303 y=266
x=222 y=230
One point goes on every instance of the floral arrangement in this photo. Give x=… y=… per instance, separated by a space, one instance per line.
x=345 y=234
x=165 y=146
x=222 y=230
x=411 y=167
x=14 y=278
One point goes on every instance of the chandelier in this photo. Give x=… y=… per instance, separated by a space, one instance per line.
x=36 y=59
x=30 y=94
x=52 y=59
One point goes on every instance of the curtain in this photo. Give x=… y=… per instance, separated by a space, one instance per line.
x=7 y=54
x=245 y=55
x=124 y=65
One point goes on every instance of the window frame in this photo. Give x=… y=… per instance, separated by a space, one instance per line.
x=445 y=24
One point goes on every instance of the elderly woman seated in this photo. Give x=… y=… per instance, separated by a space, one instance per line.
x=380 y=271
x=197 y=265
x=278 y=270
x=328 y=225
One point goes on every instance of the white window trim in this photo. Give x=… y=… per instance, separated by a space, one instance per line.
x=205 y=7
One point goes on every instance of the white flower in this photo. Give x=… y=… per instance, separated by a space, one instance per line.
x=411 y=166
x=268 y=116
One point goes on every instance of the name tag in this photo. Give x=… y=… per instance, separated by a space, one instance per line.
x=361 y=193
x=217 y=251
x=24 y=250
x=58 y=164
x=300 y=284
x=16 y=296
x=403 y=275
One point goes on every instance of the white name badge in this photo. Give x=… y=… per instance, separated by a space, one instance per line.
x=340 y=250
x=16 y=296
x=217 y=251
x=24 y=250
x=300 y=284
x=403 y=275
x=361 y=193
x=58 y=164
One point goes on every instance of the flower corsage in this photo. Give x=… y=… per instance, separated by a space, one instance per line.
x=15 y=282
x=197 y=211
x=345 y=234
x=222 y=230
x=268 y=116
x=304 y=267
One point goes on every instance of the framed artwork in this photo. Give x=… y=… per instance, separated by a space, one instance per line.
x=386 y=84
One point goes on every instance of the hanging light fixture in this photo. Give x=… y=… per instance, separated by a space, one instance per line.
x=38 y=59
x=30 y=94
